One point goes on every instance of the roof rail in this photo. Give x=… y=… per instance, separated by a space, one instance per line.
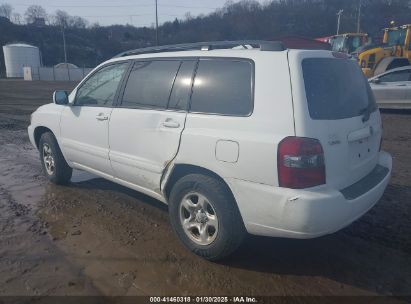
x=273 y=46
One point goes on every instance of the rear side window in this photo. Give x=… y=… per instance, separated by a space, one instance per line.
x=149 y=84
x=336 y=89
x=182 y=86
x=223 y=87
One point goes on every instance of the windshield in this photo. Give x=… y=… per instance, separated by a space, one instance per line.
x=396 y=37
x=337 y=44
x=336 y=89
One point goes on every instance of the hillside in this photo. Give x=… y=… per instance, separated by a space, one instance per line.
x=245 y=20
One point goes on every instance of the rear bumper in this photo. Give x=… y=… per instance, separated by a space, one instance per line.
x=309 y=213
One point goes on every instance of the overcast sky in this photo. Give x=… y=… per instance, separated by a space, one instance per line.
x=136 y=12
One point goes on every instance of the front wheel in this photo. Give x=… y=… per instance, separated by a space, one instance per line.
x=205 y=217
x=54 y=165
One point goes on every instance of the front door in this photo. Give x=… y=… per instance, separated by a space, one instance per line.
x=84 y=125
x=145 y=129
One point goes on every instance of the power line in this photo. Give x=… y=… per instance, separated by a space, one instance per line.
x=153 y=5
x=124 y=15
x=113 y=6
x=127 y=15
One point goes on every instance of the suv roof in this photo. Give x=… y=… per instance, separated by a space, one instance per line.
x=274 y=46
x=232 y=49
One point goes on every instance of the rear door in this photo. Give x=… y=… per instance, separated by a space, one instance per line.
x=145 y=130
x=334 y=103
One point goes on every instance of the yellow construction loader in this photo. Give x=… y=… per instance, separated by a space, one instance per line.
x=394 y=52
x=349 y=42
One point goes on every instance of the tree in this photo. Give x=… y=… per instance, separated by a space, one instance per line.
x=61 y=18
x=78 y=22
x=16 y=18
x=6 y=10
x=35 y=12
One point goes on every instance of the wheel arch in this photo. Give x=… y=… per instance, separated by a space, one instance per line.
x=181 y=170
x=38 y=132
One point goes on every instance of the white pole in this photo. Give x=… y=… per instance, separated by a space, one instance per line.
x=359 y=17
x=339 y=20
x=156 y=22
x=64 y=45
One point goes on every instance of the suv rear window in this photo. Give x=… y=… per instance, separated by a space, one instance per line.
x=224 y=87
x=336 y=89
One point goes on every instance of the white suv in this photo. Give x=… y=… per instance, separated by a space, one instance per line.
x=235 y=137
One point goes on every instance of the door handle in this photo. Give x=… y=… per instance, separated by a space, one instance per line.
x=101 y=117
x=170 y=123
x=360 y=134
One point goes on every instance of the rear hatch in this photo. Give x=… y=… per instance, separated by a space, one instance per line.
x=334 y=104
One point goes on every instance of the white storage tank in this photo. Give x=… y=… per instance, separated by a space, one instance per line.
x=19 y=55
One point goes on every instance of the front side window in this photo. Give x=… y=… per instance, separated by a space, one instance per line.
x=224 y=87
x=100 y=89
x=149 y=84
x=396 y=76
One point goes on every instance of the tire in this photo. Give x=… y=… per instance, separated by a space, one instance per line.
x=221 y=212
x=54 y=165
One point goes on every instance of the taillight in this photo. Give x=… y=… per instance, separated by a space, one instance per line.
x=300 y=163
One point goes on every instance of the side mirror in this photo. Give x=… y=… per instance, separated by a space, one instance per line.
x=60 y=97
x=376 y=81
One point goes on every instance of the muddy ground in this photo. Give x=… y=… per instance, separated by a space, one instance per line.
x=97 y=238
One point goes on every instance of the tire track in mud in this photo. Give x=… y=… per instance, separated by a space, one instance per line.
x=30 y=262
x=125 y=245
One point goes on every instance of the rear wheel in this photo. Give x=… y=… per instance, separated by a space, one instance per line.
x=198 y=218
x=205 y=217
x=54 y=165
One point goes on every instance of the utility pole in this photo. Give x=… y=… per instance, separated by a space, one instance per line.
x=64 y=44
x=156 y=23
x=340 y=12
x=359 y=17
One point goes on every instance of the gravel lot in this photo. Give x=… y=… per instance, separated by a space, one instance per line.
x=97 y=238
